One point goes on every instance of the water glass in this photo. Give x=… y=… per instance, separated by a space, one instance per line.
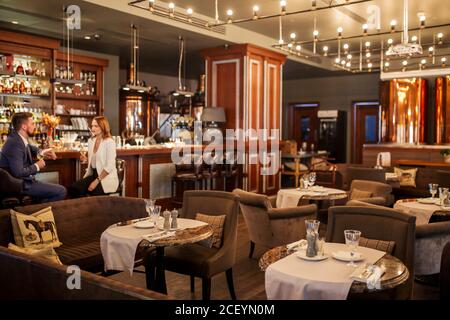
x=320 y=244
x=433 y=189
x=149 y=206
x=155 y=214
x=312 y=178
x=352 y=241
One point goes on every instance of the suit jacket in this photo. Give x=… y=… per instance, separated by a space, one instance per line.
x=17 y=159
x=105 y=159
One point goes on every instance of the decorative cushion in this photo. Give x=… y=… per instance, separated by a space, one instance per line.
x=407 y=176
x=381 y=245
x=35 y=229
x=216 y=222
x=47 y=252
x=360 y=194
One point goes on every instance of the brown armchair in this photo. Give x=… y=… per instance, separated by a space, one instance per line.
x=199 y=261
x=270 y=226
x=380 y=193
x=381 y=224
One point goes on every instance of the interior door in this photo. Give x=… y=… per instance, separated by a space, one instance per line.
x=304 y=123
x=366 y=116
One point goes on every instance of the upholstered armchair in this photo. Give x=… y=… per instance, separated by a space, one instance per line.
x=371 y=192
x=269 y=226
x=445 y=273
x=378 y=223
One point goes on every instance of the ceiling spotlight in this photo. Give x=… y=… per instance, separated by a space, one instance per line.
x=339 y=30
x=293 y=35
x=190 y=11
x=405 y=63
x=229 y=14
x=337 y=60
x=343 y=62
x=298 y=47
x=414 y=38
x=365 y=28
x=348 y=64
x=393 y=24
x=423 y=61
x=313 y=4
x=151 y=5
x=440 y=35
x=316 y=33
x=370 y=65
x=349 y=56
x=346 y=46
x=368 y=55
x=390 y=41
x=422 y=19
x=281 y=41
x=87 y=37
x=290 y=45
x=367 y=44
x=430 y=51
x=15 y=22
x=283 y=7
x=97 y=36
x=171 y=9
x=444 y=61
x=386 y=64
x=325 y=48
x=255 y=12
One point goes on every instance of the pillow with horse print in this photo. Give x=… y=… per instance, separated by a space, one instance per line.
x=35 y=229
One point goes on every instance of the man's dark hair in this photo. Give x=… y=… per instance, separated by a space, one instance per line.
x=20 y=118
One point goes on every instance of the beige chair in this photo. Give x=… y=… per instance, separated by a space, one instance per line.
x=196 y=260
x=378 y=223
x=270 y=226
x=376 y=192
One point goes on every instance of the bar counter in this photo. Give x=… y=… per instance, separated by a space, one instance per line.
x=148 y=170
x=415 y=153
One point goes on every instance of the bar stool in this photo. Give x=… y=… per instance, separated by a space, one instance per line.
x=189 y=176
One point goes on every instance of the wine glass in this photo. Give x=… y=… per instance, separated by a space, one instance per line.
x=149 y=206
x=155 y=214
x=83 y=151
x=352 y=241
x=433 y=187
x=312 y=178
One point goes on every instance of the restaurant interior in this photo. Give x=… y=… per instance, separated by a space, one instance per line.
x=254 y=150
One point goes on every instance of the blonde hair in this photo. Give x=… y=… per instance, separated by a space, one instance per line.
x=103 y=123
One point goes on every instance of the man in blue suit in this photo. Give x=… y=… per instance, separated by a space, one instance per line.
x=17 y=158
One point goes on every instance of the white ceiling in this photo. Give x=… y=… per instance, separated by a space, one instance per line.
x=159 y=41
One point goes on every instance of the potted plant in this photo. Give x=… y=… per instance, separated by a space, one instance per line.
x=446 y=154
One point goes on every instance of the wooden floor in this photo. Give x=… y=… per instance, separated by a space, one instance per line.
x=248 y=279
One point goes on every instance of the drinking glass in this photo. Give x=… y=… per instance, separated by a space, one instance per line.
x=155 y=214
x=320 y=244
x=149 y=206
x=352 y=241
x=312 y=178
x=433 y=189
x=83 y=150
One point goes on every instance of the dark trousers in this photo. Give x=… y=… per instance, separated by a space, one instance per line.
x=45 y=192
x=79 y=189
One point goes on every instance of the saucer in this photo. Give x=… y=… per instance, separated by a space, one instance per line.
x=345 y=256
x=302 y=255
x=145 y=224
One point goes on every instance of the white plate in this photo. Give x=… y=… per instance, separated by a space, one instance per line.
x=145 y=224
x=346 y=257
x=428 y=200
x=302 y=255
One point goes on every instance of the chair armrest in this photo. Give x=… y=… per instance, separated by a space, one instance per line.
x=273 y=201
x=379 y=201
x=292 y=212
x=432 y=229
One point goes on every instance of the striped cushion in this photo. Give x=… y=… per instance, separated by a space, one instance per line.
x=216 y=222
x=381 y=245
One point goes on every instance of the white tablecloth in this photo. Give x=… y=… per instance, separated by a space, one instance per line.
x=422 y=211
x=119 y=243
x=292 y=278
x=289 y=197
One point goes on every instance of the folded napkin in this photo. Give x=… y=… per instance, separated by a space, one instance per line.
x=297 y=244
x=373 y=282
x=347 y=255
x=158 y=235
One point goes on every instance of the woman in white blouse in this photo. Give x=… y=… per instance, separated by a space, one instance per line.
x=101 y=174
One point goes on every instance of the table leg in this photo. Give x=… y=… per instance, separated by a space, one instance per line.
x=155 y=273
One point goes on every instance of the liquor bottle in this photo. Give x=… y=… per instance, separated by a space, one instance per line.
x=93 y=76
x=15 y=87
x=37 y=71
x=93 y=90
x=64 y=76
x=43 y=71
x=19 y=69
x=69 y=72
x=81 y=75
x=57 y=74
x=22 y=88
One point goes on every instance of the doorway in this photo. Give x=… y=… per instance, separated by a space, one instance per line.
x=303 y=122
x=365 y=127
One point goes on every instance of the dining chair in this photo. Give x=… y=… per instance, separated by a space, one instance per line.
x=270 y=226
x=200 y=261
x=371 y=192
x=445 y=273
x=378 y=223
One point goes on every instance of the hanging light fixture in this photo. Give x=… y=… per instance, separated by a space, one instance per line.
x=181 y=91
x=133 y=76
x=404 y=48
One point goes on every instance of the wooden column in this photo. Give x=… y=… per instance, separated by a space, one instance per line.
x=246 y=80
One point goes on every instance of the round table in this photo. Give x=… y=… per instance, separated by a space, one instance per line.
x=396 y=272
x=422 y=211
x=290 y=197
x=124 y=240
